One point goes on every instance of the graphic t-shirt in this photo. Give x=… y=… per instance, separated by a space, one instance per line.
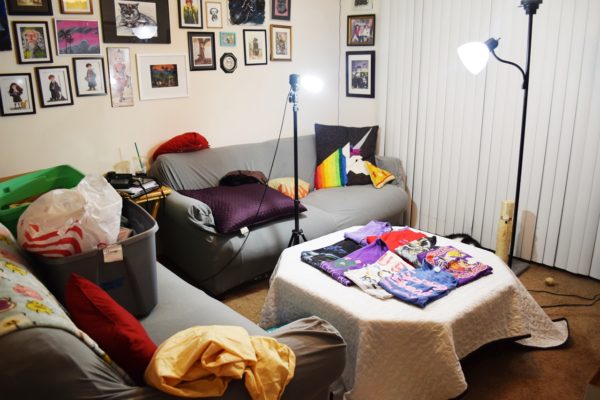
x=461 y=265
x=411 y=250
x=419 y=287
x=329 y=253
x=373 y=228
x=395 y=239
x=355 y=260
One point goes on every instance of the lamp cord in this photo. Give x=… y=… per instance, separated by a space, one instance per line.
x=593 y=299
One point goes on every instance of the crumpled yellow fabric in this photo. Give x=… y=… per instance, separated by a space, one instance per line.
x=202 y=360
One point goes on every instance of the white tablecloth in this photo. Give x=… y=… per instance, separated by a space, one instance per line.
x=399 y=351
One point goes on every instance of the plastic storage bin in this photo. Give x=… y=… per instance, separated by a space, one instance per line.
x=17 y=193
x=130 y=282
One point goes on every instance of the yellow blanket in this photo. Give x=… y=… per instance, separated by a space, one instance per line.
x=202 y=360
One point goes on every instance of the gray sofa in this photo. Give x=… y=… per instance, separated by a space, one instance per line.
x=216 y=262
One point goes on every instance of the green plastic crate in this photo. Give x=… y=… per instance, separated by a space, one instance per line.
x=16 y=194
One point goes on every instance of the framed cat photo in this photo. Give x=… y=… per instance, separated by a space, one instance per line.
x=140 y=21
x=54 y=86
x=190 y=14
x=89 y=76
x=16 y=95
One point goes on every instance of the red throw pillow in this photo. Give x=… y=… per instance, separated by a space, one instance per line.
x=190 y=141
x=115 y=330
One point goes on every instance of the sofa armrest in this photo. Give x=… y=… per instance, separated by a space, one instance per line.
x=183 y=210
x=393 y=165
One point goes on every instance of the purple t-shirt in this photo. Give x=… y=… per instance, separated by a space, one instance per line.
x=419 y=287
x=461 y=265
x=355 y=260
x=373 y=228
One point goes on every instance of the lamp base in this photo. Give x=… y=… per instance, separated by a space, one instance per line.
x=297 y=234
x=518 y=266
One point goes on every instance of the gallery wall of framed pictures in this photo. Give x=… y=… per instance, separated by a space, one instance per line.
x=360 y=65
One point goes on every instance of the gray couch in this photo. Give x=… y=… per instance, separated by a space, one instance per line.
x=216 y=262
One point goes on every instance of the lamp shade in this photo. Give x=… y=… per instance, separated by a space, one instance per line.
x=474 y=56
x=311 y=83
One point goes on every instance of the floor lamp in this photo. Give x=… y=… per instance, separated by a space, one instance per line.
x=475 y=57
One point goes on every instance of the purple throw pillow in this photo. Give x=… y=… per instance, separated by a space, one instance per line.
x=235 y=207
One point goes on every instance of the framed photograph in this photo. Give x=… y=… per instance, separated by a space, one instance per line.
x=119 y=76
x=228 y=63
x=54 y=86
x=255 y=46
x=76 y=6
x=361 y=30
x=214 y=14
x=242 y=12
x=29 y=7
x=77 y=37
x=5 y=44
x=162 y=76
x=89 y=76
x=140 y=21
x=362 y=4
x=16 y=94
x=281 y=43
x=360 y=74
x=32 y=42
x=201 y=50
x=190 y=13
x=227 y=39
x=281 y=9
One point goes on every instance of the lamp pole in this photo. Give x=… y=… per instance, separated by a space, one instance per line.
x=297 y=233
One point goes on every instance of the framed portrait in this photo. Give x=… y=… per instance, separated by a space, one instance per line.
x=362 y=4
x=360 y=74
x=89 y=76
x=76 y=6
x=201 y=50
x=54 y=86
x=281 y=9
x=228 y=63
x=190 y=13
x=76 y=37
x=243 y=12
x=281 y=43
x=361 y=30
x=16 y=94
x=214 y=14
x=162 y=76
x=29 y=7
x=32 y=42
x=119 y=76
x=5 y=44
x=140 y=21
x=227 y=39
x=255 y=46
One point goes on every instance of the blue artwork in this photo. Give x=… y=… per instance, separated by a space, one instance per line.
x=4 y=31
x=247 y=11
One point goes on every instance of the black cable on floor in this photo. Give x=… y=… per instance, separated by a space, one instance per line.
x=565 y=294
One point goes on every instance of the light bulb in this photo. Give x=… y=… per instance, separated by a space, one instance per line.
x=474 y=56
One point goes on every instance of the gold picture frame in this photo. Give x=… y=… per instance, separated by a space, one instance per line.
x=281 y=42
x=76 y=6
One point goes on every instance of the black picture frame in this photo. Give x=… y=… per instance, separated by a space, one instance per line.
x=281 y=9
x=360 y=37
x=5 y=44
x=258 y=56
x=43 y=8
x=183 y=24
x=32 y=33
x=196 y=41
x=24 y=102
x=359 y=82
x=228 y=63
x=114 y=30
x=99 y=89
x=63 y=96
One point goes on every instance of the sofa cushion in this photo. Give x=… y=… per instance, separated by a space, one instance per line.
x=184 y=143
x=286 y=186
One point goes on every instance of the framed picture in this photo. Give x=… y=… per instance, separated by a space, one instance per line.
x=243 y=12
x=162 y=76
x=76 y=37
x=281 y=9
x=190 y=13
x=228 y=63
x=214 y=14
x=32 y=42
x=16 y=94
x=201 y=49
x=119 y=76
x=360 y=74
x=361 y=30
x=227 y=39
x=362 y=4
x=140 y=21
x=54 y=86
x=255 y=46
x=76 y=6
x=29 y=7
x=5 y=44
x=281 y=43
x=89 y=76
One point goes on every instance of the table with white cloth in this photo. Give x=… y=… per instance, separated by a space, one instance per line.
x=396 y=350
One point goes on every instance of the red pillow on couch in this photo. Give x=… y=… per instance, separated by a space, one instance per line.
x=115 y=330
x=190 y=141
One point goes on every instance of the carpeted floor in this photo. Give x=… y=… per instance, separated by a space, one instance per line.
x=505 y=370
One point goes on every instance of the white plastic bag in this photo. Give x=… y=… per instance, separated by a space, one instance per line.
x=64 y=222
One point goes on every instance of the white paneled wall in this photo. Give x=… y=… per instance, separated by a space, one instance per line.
x=459 y=134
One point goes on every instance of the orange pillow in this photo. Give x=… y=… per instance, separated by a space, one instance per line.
x=186 y=142
x=286 y=186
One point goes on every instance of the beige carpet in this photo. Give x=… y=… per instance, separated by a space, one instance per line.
x=506 y=370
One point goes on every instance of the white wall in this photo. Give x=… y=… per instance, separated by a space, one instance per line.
x=245 y=106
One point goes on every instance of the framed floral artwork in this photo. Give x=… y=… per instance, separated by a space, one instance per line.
x=119 y=76
x=201 y=50
x=190 y=14
x=89 y=76
x=255 y=46
x=281 y=9
x=162 y=76
x=140 y=21
x=32 y=42
x=76 y=6
x=281 y=43
x=54 y=86
x=16 y=95
x=76 y=37
x=360 y=74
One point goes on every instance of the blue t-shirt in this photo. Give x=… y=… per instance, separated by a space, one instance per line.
x=419 y=287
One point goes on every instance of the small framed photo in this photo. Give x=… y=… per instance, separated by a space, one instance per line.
x=162 y=76
x=214 y=14
x=5 y=44
x=281 y=9
x=227 y=39
x=119 y=76
x=190 y=14
x=255 y=46
x=32 y=42
x=360 y=74
x=362 y=4
x=140 y=21
x=16 y=94
x=29 y=7
x=361 y=30
x=281 y=43
x=77 y=37
x=89 y=76
x=76 y=7
x=54 y=86
x=201 y=50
